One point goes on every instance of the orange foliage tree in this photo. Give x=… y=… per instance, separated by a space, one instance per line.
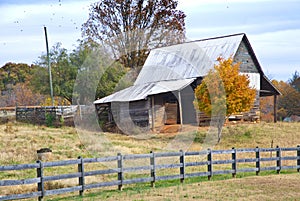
x=266 y=107
x=288 y=102
x=224 y=91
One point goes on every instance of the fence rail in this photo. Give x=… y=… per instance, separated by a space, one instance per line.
x=208 y=162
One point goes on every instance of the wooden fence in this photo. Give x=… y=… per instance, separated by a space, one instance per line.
x=207 y=159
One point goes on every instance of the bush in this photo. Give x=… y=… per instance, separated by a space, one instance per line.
x=50 y=118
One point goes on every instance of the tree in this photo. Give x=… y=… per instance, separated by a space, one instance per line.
x=88 y=71
x=266 y=107
x=63 y=73
x=224 y=92
x=288 y=102
x=130 y=28
x=24 y=96
x=11 y=75
x=295 y=81
x=98 y=73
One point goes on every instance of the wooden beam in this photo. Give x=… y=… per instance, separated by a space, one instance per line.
x=180 y=108
x=275 y=108
x=152 y=112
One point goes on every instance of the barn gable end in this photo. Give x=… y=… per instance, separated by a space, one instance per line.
x=247 y=64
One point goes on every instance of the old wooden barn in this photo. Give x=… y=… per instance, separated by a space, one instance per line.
x=163 y=92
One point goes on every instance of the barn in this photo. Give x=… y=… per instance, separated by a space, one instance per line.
x=163 y=92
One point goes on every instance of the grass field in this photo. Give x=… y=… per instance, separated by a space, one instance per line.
x=271 y=187
x=19 y=143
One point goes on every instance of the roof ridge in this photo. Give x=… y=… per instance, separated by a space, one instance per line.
x=217 y=37
x=199 y=40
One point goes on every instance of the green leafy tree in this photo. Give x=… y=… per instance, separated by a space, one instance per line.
x=224 y=92
x=63 y=73
x=129 y=29
x=98 y=73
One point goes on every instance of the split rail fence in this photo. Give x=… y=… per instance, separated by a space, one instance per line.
x=207 y=160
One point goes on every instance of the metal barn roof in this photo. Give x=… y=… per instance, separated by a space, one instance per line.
x=142 y=91
x=187 y=60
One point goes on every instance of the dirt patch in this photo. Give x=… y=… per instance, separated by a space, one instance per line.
x=170 y=128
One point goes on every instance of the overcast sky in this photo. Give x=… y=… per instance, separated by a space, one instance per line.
x=273 y=28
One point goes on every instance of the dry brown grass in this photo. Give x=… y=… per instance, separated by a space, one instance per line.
x=19 y=143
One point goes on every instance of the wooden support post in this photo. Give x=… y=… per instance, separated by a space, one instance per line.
x=234 y=164
x=182 y=168
x=152 y=171
x=257 y=155
x=180 y=109
x=209 y=164
x=120 y=173
x=81 y=178
x=275 y=108
x=40 y=187
x=153 y=113
x=278 y=161
x=298 y=160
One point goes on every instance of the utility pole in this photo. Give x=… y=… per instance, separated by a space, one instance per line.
x=49 y=67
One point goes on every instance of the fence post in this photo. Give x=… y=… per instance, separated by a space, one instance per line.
x=152 y=171
x=81 y=178
x=278 y=156
x=17 y=113
x=120 y=173
x=298 y=160
x=182 y=168
x=209 y=163
x=257 y=155
x=234 y=164
x=40 y=186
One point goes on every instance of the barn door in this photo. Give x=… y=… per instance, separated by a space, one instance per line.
x=171 y=112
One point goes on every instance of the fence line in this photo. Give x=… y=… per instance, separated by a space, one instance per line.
x=152 y=167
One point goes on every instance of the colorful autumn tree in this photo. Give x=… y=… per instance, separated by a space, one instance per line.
x=224 y=91
x=288 y=103
x=13 y=78
x=266 y=107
